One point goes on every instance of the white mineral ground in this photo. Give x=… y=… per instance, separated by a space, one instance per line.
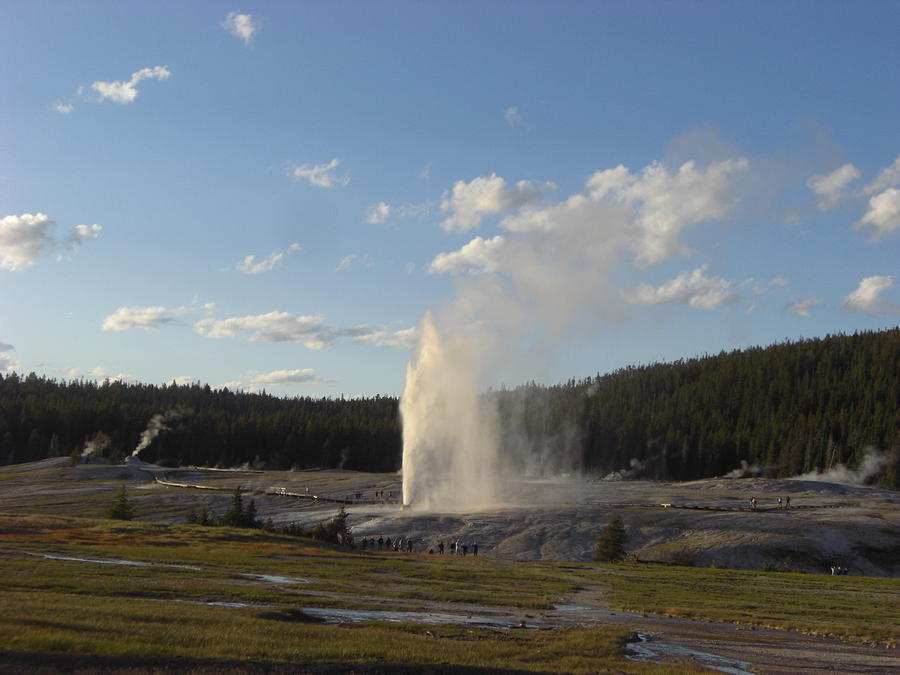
x=708 y=521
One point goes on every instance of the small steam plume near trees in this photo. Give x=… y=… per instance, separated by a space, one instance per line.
x=156 y=425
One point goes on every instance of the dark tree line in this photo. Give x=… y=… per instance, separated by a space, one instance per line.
x=41 y=417
x=787 y=409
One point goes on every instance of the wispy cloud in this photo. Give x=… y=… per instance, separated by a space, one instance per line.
x=98 y=373
x=250 y=265
x=7 y=362
x=310 y=331
x=125 y=91
x=144 y=318
x=803 y=307
x=242 y=26
x=887 y=177
x=830 y=187
x=382 y=337
x=866 y=299
x=512 y=116
x=320 y=175
x=27 y=237
x=354 y=259
x=693 y=288
x=378 y=213
x=278 y=378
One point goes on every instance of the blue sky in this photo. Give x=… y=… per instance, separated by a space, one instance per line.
x=610 y=183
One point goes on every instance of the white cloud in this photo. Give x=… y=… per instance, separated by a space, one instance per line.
x=145 y=318
x=125 y=92
x=231 y=385
x=666 y=203
x=80 y=234
x=64 y=108
x=320 y=175
x=646 y=212
x=347 y=261
x=183 y=380
x=241 y=26
x=7 y=362
x=311 y=331
x=512 y=116
x=478 y=256
x=830 y=186
x=398 y=339
x=759 y=287
x=803 y=307
x=887 y=177
x=883 y=213
x=27 y=237
x=282 y=377
x=378 y=213
x=24 y=239
x=98 y=373
x=271 y=327
x=693 y=288
x=469 y=203
x=249 y=264
x=866 y=298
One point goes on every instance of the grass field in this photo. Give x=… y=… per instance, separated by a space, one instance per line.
x=172 y=606
x=116 y=610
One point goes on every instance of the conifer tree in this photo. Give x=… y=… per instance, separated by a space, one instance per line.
x=611 y=543
x=121 y=508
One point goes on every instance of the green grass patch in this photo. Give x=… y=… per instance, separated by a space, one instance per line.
x=860 y=609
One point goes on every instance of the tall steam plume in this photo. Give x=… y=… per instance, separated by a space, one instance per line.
x=518 y=295
x=157 y=424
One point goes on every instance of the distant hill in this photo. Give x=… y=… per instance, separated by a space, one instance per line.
x=782 y=410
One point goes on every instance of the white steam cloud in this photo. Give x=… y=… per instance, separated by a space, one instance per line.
x=156 y=425
x=547 y=276
x=95 y=445
x=870 y=467
x=745 y=470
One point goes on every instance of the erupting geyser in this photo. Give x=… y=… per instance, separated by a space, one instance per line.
x=519 y=295
x=449 y=431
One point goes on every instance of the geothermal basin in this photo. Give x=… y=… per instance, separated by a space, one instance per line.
x=701 y=522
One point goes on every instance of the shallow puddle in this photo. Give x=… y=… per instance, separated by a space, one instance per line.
x=432 y=618
x=647 y=648
x=274 y=579
x=107 y=561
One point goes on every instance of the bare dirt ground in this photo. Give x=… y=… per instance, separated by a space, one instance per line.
x=701 y=522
